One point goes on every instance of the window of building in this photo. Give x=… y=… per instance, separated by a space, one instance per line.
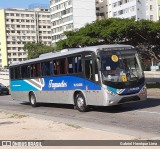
x=151 y=17
x=151 y=7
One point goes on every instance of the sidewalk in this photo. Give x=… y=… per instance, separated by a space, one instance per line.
x=14 y=126
x=153 y=92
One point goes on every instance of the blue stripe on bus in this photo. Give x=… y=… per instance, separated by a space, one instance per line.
x=21 y=85
x=126 y=90
x=54 y=83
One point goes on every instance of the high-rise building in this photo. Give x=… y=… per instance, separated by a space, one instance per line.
x=70 y=15
x=101 y=9
x=19 y=26
x=158 y=9
x=137 y=9
x=127 y=9
x=151 y=10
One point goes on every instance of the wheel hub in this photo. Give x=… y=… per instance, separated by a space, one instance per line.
x=80 y=102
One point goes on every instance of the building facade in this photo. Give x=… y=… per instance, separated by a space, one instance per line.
x=137 y=9
x=19 y=26
x=152 y=10
x=158 y=9
x=127 y=9
x=101 y=9
x=69 y=15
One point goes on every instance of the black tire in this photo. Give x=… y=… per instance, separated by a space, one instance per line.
x=80 y=103
x=32 y=100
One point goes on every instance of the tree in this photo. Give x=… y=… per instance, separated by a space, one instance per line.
x=36 y=49
x=143 y=34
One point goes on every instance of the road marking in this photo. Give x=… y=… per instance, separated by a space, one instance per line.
x=148 y=112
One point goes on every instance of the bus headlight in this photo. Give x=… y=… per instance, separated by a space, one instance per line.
x=110 y=92
x=143 y=91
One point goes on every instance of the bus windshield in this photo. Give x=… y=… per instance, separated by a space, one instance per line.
x=120 y=66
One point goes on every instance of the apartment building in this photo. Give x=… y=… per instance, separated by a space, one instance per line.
x=69 y=15
x=127 y=9
x=158 y=9
x=101 y=9
x=137 y=9
x=152 y=10
x=19 y=26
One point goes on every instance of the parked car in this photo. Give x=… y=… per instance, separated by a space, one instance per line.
x=3 y=89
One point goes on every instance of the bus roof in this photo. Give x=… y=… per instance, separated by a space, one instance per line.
x=65 y=52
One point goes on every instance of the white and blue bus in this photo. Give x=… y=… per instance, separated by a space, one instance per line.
x=103 y=75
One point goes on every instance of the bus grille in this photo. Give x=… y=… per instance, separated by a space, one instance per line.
x=128 y=99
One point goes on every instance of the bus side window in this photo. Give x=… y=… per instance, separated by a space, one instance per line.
x=70 y=65
x=51 y=68
x=60 y=66
x=46 y=70
x=63 y=66
x=25 y=71
x=74 y=64
x=38 y=74
x=78 y=64
x=35 y=70
x=17 y=72
x=55 y=67
x=12 y=73
x=28 y=71
x=89 y=69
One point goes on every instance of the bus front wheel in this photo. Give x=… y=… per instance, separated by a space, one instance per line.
x=81 y=103
x=32 y=99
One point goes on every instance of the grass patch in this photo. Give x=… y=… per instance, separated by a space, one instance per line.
x=73 y=126
x=17 y=116
x=154 y=85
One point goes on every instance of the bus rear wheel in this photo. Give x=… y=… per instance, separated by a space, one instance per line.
x=81 y=103
x=32 y=99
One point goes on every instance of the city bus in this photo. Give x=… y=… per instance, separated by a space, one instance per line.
x=104 y=75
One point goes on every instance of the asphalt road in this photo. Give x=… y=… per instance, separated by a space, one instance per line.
x=141 y=119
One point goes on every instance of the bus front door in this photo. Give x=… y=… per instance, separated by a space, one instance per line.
x=92 y=77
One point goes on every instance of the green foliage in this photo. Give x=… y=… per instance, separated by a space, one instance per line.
x=143 y=34
x=154 y=85
x=36 y=49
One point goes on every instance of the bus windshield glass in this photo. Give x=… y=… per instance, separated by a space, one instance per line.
x=120 y=66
